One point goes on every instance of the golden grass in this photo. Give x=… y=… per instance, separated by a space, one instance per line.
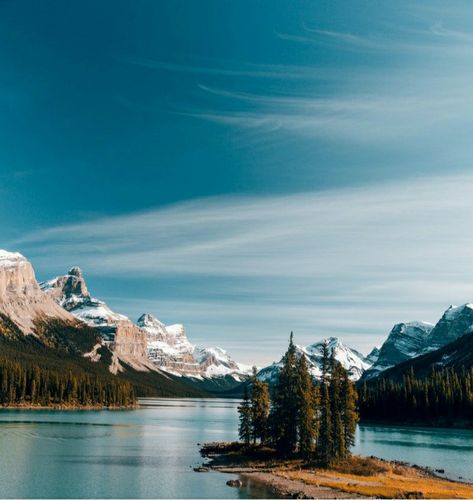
x=373 y=478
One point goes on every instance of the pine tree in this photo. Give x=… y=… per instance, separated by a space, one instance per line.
x=307 y=410
x=245 y=428
x=285 y=404
x=260 y=405
x=338 y=435
x=349 y=415
x=325 y=443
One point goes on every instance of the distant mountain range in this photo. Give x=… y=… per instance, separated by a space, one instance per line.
x=150 y=346
x=148 y=342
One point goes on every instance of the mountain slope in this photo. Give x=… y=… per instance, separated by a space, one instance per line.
x=59 y=348
x=216 y=362
x=455 y=322
x=168 y=346
x=170 y=349
x=456 y=355
x=21 y=298
x=126 y=340
x=405 y=341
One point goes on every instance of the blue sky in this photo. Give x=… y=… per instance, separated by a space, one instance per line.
x=246 y=168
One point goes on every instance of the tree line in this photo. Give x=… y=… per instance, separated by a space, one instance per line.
x=445 y=396
x=35 y=385
x=300 y=417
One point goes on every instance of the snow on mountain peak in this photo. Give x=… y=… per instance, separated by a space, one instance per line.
x=453 y=311
x=216 y=362
x=150 y=321
x=353 y=361
x=11 y=259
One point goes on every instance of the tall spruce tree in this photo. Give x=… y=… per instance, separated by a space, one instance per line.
x=325 y=443
x=260 y=406
x=307 y=410
x=336 y=408
x=244 y=410
x=350 y=416
x=285 y=404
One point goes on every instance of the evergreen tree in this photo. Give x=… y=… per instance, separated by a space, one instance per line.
x=338 y=434
x=350 y=415
x=285 y=404
x=325 y=442
x=245 y=428
x=307 y=412
x=260 y=405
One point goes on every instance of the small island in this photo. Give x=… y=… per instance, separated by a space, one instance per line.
x=296 y=440
x=356 y=477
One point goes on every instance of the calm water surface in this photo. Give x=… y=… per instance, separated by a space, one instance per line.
x=150 y=452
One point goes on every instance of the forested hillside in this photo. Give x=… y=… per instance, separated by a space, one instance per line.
x=444 y=397
x=435 y=389
x=51 y=370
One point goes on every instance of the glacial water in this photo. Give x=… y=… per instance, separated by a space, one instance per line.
x=150 y=452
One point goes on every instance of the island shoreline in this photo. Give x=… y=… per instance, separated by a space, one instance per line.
x=293 y=479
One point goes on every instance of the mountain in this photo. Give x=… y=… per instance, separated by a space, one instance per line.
x=127 y=341
x=39 y=336
x=170 y=349
x=456 y=355
x=147 y=345
x=455 y=322
x=405 y=341
x=373 y=355
x=168 y=346
x=216 y=362
x=353 y=361
x=412 y=339
x=21 y=298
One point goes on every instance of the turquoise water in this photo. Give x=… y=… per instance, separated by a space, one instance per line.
x=150 y=452
x=448 y=449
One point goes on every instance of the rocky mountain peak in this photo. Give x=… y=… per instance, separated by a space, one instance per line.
x=69 y=290
x=455 y=322
x=20 y=294
x=149 y=320
x=406 y=340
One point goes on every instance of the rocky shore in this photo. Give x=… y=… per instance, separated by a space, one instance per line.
x=359 y=478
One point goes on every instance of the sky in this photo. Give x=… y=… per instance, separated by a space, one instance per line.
x=246 y=168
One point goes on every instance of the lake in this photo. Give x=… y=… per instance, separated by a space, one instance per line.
x=150 y=452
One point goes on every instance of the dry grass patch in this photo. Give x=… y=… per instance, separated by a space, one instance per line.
x=380 y=479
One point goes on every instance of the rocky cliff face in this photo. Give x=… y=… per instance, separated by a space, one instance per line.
x=127 y=341
x=168 y=346
x=171 y=351
x=21 y=298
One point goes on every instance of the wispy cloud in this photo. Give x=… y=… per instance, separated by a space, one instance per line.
x=370 y=116
x=235 y=69
x=337 y=262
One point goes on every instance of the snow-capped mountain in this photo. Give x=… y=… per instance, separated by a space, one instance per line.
x=412 y=339
x=353 y=361
x=21 y=298
x=405 y=341
x=455 y=322
x=127 y=341
x=168 y=346
x=70 y=291
x=216 y=362
x=170 y=349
